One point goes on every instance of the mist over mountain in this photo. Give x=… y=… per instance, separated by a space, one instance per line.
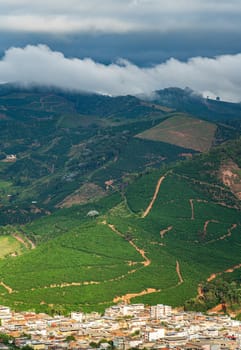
x=39 y=65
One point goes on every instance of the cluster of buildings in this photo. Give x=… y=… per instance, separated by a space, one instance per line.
x=122 y=327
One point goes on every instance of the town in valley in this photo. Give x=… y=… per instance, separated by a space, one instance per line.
x=122 y=326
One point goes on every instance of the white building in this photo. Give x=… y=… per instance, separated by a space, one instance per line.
x=133 y=309
x=158 y=311
x=154 y=334
x=5 y=313
x=77 y=316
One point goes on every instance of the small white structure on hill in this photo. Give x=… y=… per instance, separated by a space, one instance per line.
x=11 y=158
x=93 y=213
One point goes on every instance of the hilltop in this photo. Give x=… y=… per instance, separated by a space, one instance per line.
x=153 y=219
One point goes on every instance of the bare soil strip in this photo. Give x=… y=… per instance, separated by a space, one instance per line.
x=127 y=297
x=86 y=283
x=206 y=226
x=216 y=309
x=148 y=209
x=112 y=227
x=163 y=232
x=9 y=289
x=19 y=239
x=72 y=284
x=192 y=208
x=179 y=273
x=146 y=261
x=26 y=241
x=213 y=276
x=229 y=270
x=200 y=291
x=229 y=234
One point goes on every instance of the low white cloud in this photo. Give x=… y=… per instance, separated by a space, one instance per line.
x=219 y=76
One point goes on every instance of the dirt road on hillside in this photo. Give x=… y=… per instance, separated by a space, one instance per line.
x=127 y=297
x=192 y=208
x=229 y=270
x=9 y=289
x=179 y=273
x=166 y=230
x=148 y=209
x=206 y=226
x=229 y=234
x=146 y=261
x=27 y=242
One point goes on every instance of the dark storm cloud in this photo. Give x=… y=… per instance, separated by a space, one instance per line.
x=143 y=31
x=144 y=49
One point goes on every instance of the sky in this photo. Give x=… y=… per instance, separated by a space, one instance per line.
x=123 y=47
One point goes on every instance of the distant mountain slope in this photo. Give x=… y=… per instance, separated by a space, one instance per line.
x=190 y=102
x=184 y=131
x=65 y=142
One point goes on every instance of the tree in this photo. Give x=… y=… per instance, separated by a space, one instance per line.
x=70 y=338
x=93 y=345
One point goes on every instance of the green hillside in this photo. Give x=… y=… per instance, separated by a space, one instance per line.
x=92 y=215
x=184 y=131
x=64 y=142
x=168 y=232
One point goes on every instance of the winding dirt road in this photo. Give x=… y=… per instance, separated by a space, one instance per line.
x=148 y=209
x=229 y=270
x=179 y=273
x=146 y=261
x=229 y=234
x=26 y=241
x=127 y=297
x=9 y=289
x=206 y=226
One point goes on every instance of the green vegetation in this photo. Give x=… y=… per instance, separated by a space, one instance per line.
x=10 y=342
x=88 y=264
x=10 y=246
x=183 y=131
x=220 y=291
x=64 y=141
x=148 y=243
